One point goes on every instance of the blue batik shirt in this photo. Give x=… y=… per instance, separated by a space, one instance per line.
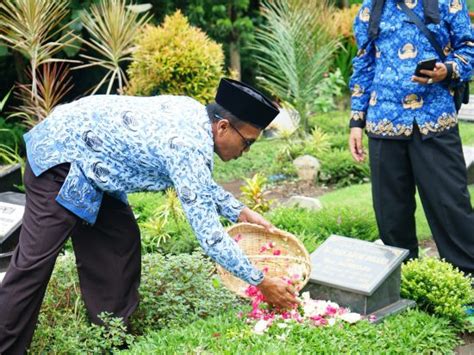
x=384 y=99
x=122 y=144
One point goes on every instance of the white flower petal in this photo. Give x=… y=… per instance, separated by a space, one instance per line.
x=350 y=317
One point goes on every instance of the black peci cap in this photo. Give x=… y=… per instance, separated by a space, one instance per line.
x=246 y=103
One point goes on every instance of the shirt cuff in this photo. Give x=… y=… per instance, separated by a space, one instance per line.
x=357 y=119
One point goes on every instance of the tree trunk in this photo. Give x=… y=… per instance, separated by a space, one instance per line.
x=235 y=59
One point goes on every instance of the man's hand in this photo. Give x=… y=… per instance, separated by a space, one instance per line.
x=436 y=75
x=247 y=215
x=278 y=292
x=355 y=144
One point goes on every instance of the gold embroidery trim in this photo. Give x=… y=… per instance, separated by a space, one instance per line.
x=364 y=15
x=444 y=122
x=357 y=115
x=461 y=58
x=456 y=74
x=408 y=51
x=386 y=127
x=455 y=6
x=412 y=101
x=357 y=91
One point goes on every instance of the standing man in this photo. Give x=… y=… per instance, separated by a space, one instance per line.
x=83 y=160
x=411 y=122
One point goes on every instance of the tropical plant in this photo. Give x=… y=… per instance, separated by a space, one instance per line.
x=53 y=83
x=253 y=193
x=320 y=142
x=329 y=88
x=8 y=154
x=35 y=28
x=175 y=58
x=171 y=208
x=155 y=233
x=112 y=27
x=158 y=226
x=295 y=48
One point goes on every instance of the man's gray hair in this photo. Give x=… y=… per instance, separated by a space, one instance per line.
x=216 y=112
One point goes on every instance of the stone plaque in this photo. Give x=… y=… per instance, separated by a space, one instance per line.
x=10 y=218
x=354 y=265
x=12 y=207
x=360 y=275
x=467 y=110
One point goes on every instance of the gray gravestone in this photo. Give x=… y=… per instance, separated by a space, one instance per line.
x=360 y=275
x=12 y=207
x=466 y=113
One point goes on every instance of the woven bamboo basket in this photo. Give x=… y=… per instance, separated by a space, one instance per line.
x=254 y=241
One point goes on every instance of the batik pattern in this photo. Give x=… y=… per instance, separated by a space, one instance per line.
x=121 y=144
x=384 y=99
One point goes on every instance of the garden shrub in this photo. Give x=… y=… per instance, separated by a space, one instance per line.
x=173 y=236
x=177 y=290
x=339 y=141
x=11 y=134
x=175 y=58
x=338 y=167
x=437 y=287
x=313 y=227
x=174 y=290
x=63 y=325
x=332 y=122
x=144 y=204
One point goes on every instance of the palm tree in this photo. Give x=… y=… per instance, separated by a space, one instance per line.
x=294 y=47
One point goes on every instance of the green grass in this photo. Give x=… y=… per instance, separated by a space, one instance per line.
x=259 y=159
x=411 y=332
x=360 y=197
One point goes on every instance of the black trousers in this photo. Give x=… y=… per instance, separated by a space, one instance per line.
x=107 y=256
x=436 y=167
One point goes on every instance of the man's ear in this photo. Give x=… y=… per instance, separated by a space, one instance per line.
x=222 y=126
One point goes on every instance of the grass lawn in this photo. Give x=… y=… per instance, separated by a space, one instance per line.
x=262 y=155
x=360 y=197
x=258 y=159
x=466 y=130
x=410 y=332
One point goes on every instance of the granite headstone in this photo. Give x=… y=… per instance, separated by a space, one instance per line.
x=12 y=207
x=466 y=113
x=358 y=274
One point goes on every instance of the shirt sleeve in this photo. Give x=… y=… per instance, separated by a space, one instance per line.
x=227 y=205
x=462 y=43
x=196 y=190
x=363 y=69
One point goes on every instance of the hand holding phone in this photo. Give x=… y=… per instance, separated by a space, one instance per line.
x=428 y=64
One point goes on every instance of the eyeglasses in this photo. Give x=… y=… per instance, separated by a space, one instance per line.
x=247 y=142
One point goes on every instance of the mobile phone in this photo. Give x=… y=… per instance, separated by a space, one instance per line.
x=427 y=64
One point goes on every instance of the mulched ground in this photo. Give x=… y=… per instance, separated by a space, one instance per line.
x=283 y=190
